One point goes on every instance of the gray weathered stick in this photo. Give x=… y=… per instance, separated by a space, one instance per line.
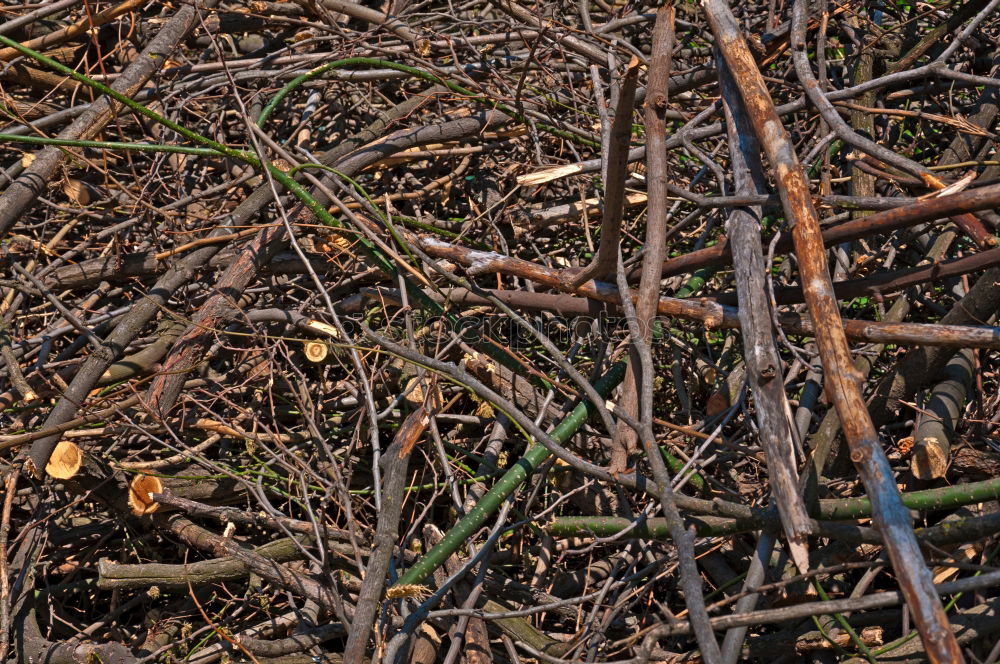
x=843 y=382
x=932 y=438
x=760 y=351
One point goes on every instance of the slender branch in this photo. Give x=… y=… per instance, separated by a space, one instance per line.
x=616 y=173
x=760 y=349
x=843 y=383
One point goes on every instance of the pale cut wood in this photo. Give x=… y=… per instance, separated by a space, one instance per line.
x=65 y=461
x=932 y=437
x=315 y=351
x=140 y=490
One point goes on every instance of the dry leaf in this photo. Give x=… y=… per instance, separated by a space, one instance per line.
x=485 y=409
x=29 y=465
x=414 y=591
x=716 y=404
x=83 y=193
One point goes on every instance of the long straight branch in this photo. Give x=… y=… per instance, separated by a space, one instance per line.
x=395 y=460
x=708 y=312
x=760 y=351
x=606 y=259
x=932 y=210
x=843 y=382
x=640 y=326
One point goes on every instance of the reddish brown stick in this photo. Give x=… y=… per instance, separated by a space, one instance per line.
x=606 y=261
x=843 y=382
x=709 y=312
x=888 y=282
x=933 y=210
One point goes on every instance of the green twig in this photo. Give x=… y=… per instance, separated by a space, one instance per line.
x=844 y=625
x=506 y=485
x=416 y=73
x=830 y=510
x=110 y=145
x=382 y=261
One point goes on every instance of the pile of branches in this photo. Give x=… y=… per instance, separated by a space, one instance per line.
x=499 y=331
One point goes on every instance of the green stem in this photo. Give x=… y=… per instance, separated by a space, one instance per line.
x=381 y=260
x=844 y=625
x=109 y=145
x=695 y=283
x=927 y=500
x=677 y=465
x=126 y=101
x=829 y=510
x=506 y=485
x=416 y=73
x=609 y=526
x=832 y=150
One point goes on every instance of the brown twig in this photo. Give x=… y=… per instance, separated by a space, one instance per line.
x=616 y=173
x=842 y=381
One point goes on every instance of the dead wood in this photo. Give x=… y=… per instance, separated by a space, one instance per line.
x=498 y=331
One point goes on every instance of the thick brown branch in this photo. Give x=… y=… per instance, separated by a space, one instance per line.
x=843 y=383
